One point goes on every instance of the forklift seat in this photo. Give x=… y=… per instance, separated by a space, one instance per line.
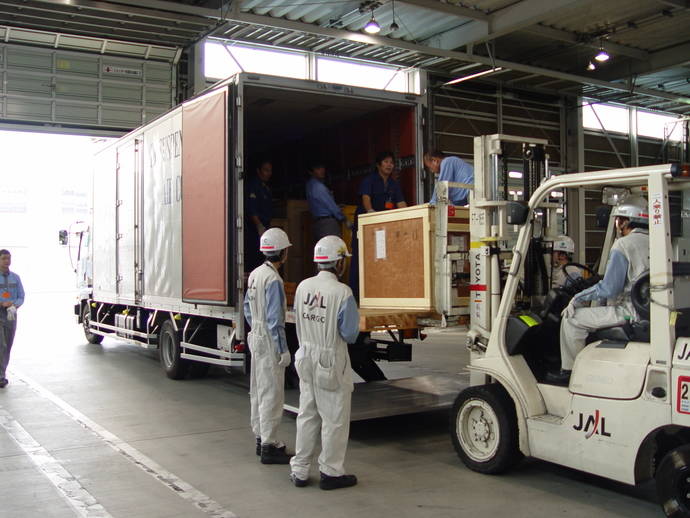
x=637 y=331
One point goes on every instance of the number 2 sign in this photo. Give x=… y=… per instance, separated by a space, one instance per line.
x=683 y=405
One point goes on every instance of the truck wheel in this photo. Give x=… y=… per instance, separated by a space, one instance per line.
x=92 y=338
x=169 y=349
x=484 y=429
x=673 y=482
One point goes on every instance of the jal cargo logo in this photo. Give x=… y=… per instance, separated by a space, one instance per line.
x=592 y=425
x=685 y=353
x=312 y=302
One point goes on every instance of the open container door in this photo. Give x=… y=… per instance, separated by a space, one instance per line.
x=206 y=239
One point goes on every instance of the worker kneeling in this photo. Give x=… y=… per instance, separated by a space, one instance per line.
x=264 y=309
x=628 y=260
x=327 y=320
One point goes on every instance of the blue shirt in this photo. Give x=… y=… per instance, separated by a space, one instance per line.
x=348 y=320
x=613 y=282
x=321 y=202
x=11 y=284
x=454 y=169
x=275 y=316
x=259 y=201
x=379 y=192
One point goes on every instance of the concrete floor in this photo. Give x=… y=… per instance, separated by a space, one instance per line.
x=88 y=430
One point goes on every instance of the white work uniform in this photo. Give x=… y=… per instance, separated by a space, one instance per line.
x=628 y=260
x=264 y=309
x=327 y=320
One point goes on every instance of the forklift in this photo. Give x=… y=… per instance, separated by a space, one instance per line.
x=625 y=414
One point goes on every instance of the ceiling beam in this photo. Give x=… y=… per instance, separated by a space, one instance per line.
x=452 y=54
x=447 y=8
x=513 y=18
x=657 y=61
x=570 y=37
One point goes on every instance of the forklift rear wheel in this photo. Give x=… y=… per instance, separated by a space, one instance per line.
x=673 y=483
x=169 y=344
x=92 y=338
x=484 y=429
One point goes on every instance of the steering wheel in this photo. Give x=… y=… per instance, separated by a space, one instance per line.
x=641 y=296
x=587 y=269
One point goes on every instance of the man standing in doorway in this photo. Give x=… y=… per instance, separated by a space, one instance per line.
x=259 y=211
x=326 y=216
x=11 y=297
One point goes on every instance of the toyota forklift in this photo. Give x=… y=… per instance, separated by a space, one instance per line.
x=625 y=414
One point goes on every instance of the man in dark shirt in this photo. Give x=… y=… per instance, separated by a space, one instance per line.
x=378 y=191
x=259 y=211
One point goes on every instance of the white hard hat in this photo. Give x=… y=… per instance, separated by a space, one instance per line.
x=564 y=244
x=634 y=208
x=273 y=241
x=329 y=249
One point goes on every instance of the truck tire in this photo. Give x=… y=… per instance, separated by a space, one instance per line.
x=92 y=338
x=169 y=349
x=483 y=427
x=673 y=482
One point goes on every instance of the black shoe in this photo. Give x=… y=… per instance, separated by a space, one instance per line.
x=561 y=377
x=298 y=481
x=3 y=382
x=271 y=454
x=328 y=482
x=258 y=446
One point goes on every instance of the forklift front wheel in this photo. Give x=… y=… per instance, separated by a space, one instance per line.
x=484 y=429
x=673 y=483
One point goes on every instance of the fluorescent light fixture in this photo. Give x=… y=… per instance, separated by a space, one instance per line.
x=591 y=66
x=602 y=56
x=372 y=26
x=556 y=194
x=514 y=174
x=473 y=76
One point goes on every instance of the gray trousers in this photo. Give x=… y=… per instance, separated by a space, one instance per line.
x=7 y=329
x=326 y=227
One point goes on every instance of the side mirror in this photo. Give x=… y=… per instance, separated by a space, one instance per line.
x=603 y=214
x=63 y=237
x=516 y=212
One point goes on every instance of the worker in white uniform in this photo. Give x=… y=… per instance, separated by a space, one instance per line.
x=327 y=320
x=628 y=260
x=264 y=309
x=562 y=255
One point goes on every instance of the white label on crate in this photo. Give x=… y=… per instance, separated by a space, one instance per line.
x=380 y=244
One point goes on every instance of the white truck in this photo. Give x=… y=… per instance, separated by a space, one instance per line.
x=625 y=414
x=165 y=248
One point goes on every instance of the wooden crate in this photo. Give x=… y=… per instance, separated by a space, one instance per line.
x=396 y=256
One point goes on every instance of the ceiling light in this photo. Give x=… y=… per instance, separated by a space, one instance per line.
x=394 y=26
x=591 y=66
x=602 y=56
x=372 y=26
x=472 y=76
x=514 y=174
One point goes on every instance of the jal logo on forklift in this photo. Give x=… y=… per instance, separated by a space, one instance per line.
x=592 y=424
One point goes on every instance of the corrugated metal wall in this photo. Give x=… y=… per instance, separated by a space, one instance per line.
x=81 y=89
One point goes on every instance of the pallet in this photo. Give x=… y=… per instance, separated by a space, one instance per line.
x=383 y=320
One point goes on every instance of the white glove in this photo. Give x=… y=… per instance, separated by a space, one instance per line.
x=569 y=311
x=284 y=359
x=12 y=313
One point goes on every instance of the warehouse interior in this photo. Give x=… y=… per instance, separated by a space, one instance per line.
x=97 y=429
